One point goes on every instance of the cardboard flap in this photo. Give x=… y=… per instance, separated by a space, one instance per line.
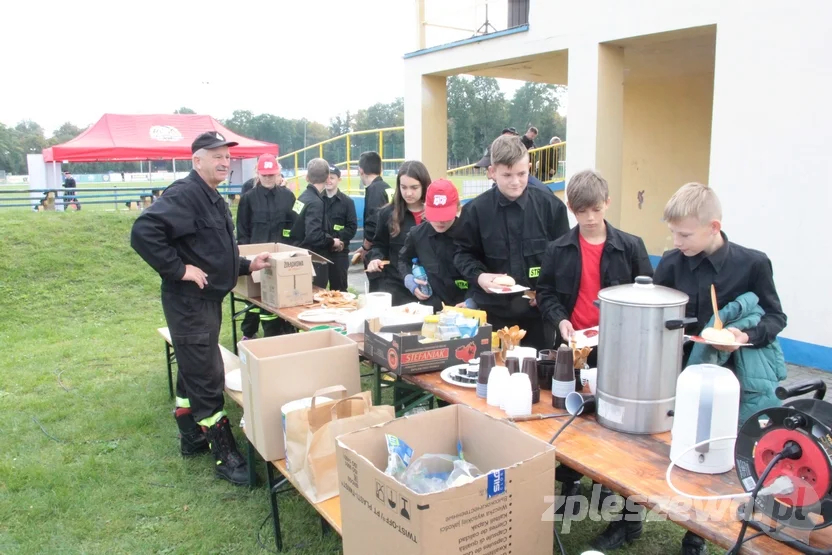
x=256 y=248
x=315 y=257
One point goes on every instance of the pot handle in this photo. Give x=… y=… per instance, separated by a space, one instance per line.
x=680 y=323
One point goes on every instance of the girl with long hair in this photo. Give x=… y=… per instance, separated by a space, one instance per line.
x=394 y=222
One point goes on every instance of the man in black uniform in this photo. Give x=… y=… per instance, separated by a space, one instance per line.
x=187 y=236
x=265 y=216
x=505 y=230
x=341 y=223
x=308 y=231
x=69 y=195
x=377 y=193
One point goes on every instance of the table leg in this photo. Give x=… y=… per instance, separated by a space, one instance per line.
x=169 y=360
x=278 y=537
x=233 y=327
x=377 y=384
x=252 y=473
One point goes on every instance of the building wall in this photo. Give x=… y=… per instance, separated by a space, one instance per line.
x=770 y=153
x=667 y=140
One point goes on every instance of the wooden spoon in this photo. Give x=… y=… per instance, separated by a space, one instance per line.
x=717 y=321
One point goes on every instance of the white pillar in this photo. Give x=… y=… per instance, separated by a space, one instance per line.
x=426 y=121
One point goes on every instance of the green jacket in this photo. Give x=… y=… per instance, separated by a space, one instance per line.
x=758 y=369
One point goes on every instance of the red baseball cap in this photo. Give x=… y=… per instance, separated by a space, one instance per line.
x=441 y=201
x=267 y=165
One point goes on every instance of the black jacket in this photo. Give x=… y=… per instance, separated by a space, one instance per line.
x=341 y=219
x=389 y=248
x=624 y=258
x=308 y=231
x=435 y=252
x=69 y=183
x=190 y=224
x=527 y=142
x=265 y=216
x=377 y=194
x=499 y=236
x=733 y=270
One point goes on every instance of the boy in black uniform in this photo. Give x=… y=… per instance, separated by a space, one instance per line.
x=265 y=216
x=592 y=256
x=309 y=230
x=377 y=193
x=703 y=256
x=432 y=242
x=187 y=236
x=342 y=223
x=505 y=230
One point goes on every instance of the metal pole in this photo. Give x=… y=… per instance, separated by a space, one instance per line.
x=381 y=145
x=349 y=177
x=174 y=168
x=304 y=143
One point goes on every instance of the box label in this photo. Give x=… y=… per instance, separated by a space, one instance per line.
x=496 y=483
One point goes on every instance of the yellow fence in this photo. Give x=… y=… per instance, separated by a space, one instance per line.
x=547 y=163
x=343 y=151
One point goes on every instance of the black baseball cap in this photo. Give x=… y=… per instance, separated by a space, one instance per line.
x=209 y=140
x=335 y=170
x=511 y=130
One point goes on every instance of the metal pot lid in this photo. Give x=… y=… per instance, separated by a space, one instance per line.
x=643 y=293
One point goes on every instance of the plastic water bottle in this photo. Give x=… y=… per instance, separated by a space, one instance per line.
x=420 y=274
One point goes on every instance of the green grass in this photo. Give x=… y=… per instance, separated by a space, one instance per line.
x=81 y=358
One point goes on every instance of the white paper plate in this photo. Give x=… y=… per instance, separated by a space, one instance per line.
x=321 y=315
x=581 y=339
x=452 y=371
x=508 y=290
x=697 y=339
x=234 y=380
x=344 y=294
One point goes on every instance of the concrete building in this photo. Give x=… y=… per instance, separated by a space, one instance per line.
x=732 y=93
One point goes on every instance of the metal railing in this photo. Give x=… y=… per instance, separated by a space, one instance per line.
x=547 y=163
x=343 y=151
x=121 y=198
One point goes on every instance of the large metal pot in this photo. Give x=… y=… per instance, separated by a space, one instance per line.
x=639 y=356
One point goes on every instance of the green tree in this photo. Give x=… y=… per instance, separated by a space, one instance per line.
x=462 y=149
x=184 y=110
x=12 y=158
x=489 y=111
x=64 y=133
x=536 y=104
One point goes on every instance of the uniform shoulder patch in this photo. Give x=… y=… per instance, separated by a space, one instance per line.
x=298 y=207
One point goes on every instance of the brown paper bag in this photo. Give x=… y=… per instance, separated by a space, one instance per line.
x=296 y=425
x=320 y=472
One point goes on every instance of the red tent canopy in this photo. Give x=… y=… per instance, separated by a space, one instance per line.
x=150 y=137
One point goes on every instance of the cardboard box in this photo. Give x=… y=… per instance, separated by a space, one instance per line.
x=249 y=286
x=288 y=281
x=277 y=370
x=508 y=510
x=400 y=351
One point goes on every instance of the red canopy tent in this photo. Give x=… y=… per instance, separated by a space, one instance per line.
x=148 y=137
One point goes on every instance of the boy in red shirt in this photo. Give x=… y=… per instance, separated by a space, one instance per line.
x=592 y=256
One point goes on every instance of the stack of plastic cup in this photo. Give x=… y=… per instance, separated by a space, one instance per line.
x=497 y=385
x=519 y=395
x=487 y=362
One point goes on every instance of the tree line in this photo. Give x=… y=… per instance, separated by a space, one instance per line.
x=477 y=112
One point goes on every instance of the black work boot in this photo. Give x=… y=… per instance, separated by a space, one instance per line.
x=191 y=437
x=230 y=465
x=620 y=532
x=693 y=545
x=567 y=490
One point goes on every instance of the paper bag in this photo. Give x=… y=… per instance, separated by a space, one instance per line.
x=296 y=425
x=320 y=471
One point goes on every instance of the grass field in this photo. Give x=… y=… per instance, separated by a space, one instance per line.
x=89 y=460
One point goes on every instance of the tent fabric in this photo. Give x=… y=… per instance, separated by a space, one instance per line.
x=149 y=137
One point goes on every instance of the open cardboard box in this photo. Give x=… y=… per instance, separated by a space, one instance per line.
x=509 y=509
x=249 y=285
x=400 y=351
x=287 y=281
x=284 y=368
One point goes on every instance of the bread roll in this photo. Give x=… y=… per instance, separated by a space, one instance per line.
x=505 y=281
x=718 y=336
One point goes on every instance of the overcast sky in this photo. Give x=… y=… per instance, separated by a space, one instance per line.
x=76 y=60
